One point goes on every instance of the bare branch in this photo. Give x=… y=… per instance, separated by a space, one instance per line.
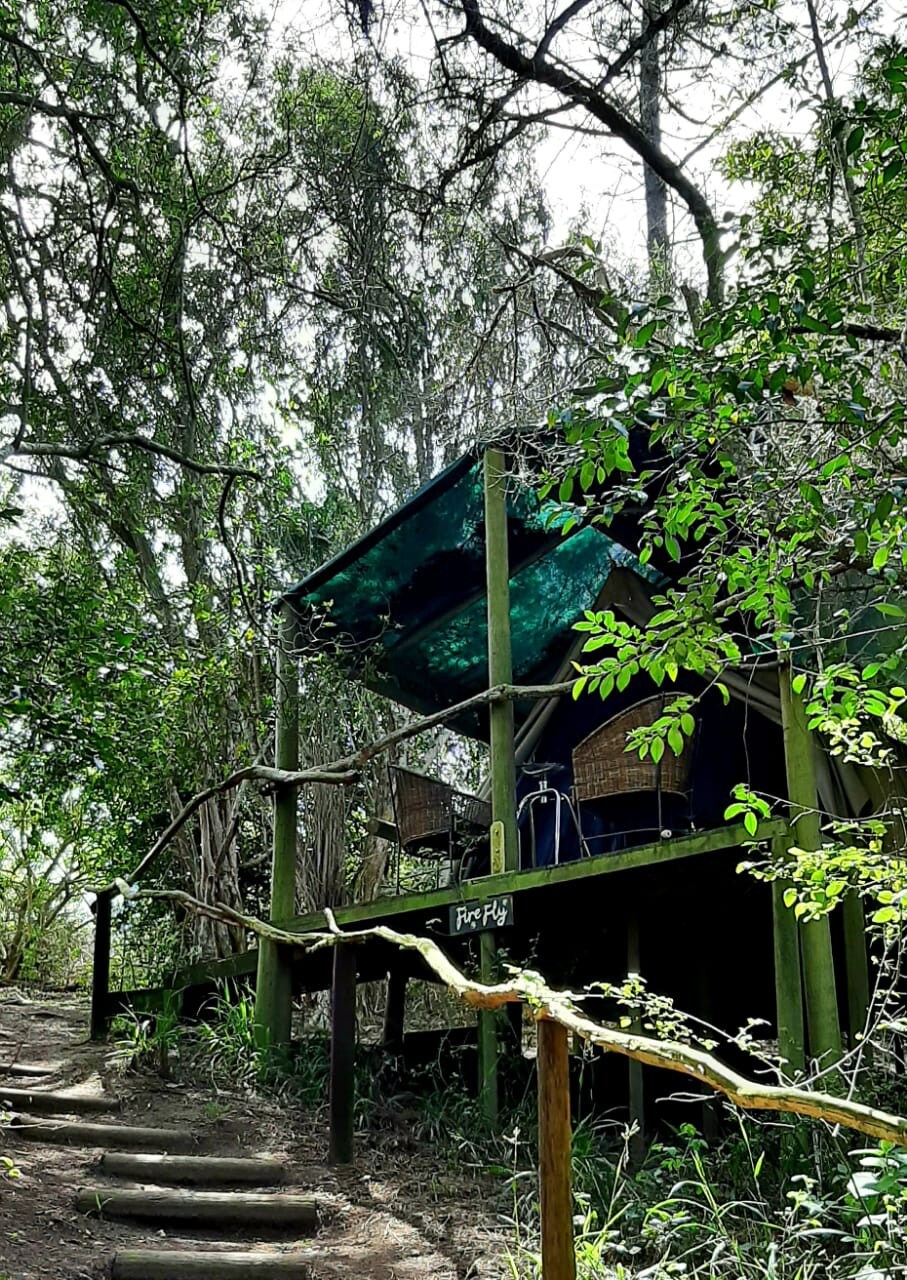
x=560 y=1006
x=106 y=444
x=587 y=95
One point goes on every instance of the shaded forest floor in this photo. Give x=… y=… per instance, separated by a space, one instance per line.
x=403 y=1211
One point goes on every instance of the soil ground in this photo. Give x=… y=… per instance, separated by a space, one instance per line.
x=403 y=1211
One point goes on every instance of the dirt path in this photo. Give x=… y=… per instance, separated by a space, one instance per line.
x=400 y=1213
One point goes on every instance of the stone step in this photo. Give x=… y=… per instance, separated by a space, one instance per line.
x=216 y=1170
x=173 y=1264
x=55 y=1104
x=229 y=1209
x=75 y=1133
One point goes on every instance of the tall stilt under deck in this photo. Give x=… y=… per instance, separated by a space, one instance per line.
x=343 y=1053
x=394 y=1010
x=857 y=960
x=503 y=768
x=634 y=1069
x=823 y=1026
x=556 y=1197
x=273 y=989
x=788 y=982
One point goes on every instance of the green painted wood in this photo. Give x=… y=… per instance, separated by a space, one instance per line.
x=343 y=1054
x=393 y=910
x=500 y=666
x=823 y=1026
x=274 y=985
x=649 y=855
x=100 y=970
x=788 y=980
x=394 y=1009
x=857 y=961
x=488 y=1032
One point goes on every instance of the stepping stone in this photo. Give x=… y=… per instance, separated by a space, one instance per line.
x=75 y=1133
x=55 y=1104
x=171 y=1264
x=203 y=1208
x=192 y=1169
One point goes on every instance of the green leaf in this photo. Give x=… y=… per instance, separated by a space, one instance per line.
x=798 y=684
x=751 y=822
x=790 y=897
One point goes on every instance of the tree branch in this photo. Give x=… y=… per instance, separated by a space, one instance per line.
x=560 y=1006
x=535 y=69
x=106 y=444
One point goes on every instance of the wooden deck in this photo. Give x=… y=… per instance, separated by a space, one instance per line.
x=413 y=911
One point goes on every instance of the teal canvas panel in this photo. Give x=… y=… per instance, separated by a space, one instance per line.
x=405 y=607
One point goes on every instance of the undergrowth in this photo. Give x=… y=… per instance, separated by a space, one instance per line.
x=765 y=1201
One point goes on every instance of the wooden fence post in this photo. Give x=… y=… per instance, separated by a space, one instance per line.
x=100 y=970
x=343 y=1053
x=274 y=983
x=558 y=1257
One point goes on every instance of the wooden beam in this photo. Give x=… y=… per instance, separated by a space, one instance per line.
x=479 y=890
x=343 y=1054
x=558 y=1256
x=823 y=1026
x=788 y=982
x=273 y=988
x=100 y=970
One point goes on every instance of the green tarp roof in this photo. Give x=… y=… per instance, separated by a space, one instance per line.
x=404 y=607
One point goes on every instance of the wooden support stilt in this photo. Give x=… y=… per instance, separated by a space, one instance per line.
x=823 y=1026
x=488 y=1032
x=100 y=971
x=857 y=961
x=500 y=664
x=343 y=1052
x=274 y=988
x=788 y=982
x=558 y=1257
x=394 y=1010
x=634 y=1069
x=503 y=767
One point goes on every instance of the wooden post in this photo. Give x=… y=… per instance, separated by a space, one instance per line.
x=824 y=1029
x=634 y=1069
x=503 y=767
x=788 y=981
x=857 y=961
x=558 y=1257
x=100 y=970
x=500 y=665
x=343 y=1053
x=274 y=988
x=488 y=1033
x=394 y=1010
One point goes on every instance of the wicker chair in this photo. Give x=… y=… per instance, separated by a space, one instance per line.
x=433 y=819
x=602 y=766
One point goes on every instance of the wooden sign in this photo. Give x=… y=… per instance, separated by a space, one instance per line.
x=472 y=917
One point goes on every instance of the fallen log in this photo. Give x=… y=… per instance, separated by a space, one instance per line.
x=173 y=1264
x=202 y=1208
x=191 y=1169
